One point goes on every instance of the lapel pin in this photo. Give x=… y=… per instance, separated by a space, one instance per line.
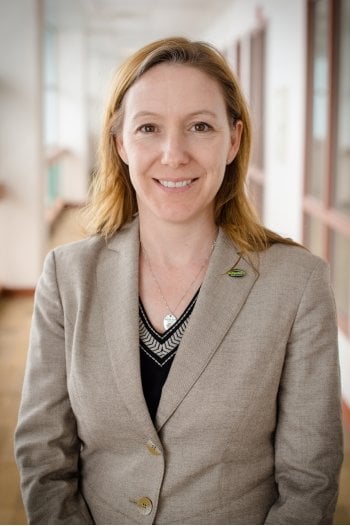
x=236 y=272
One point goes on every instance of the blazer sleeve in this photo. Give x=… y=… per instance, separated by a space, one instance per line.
x=308 y=438
x=46 y=443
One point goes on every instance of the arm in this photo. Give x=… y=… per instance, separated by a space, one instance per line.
x=46 y=443
x=308 y=439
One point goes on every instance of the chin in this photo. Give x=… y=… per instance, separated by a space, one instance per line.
x=181 y=218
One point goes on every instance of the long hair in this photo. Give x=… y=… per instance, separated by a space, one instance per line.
x=112 y=200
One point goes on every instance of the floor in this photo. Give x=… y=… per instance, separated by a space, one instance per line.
x=15 y=316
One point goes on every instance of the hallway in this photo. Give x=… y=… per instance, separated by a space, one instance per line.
x=15 y=317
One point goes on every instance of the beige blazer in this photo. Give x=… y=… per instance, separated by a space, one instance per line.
x=248 y=428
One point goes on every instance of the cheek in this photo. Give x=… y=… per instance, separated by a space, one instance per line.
x=139 y=155
x=138 y=169
x=217 y=165
x=135 y=177
x=133 y=159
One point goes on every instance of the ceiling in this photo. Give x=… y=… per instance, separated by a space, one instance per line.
x=119 y=27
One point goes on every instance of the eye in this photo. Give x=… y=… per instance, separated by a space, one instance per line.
x=202 y=127
x=147 y=128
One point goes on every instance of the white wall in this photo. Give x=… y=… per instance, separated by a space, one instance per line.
x=285 y=126
x=22 y=233
x=72 y=114
x=100 y=73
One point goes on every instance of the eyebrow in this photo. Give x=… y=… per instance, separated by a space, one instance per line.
x=144 y=114
x=141 y=114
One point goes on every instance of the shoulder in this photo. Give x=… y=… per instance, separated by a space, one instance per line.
x=68 y=266
x=71 y=259
x=291 y=269
x=79 y=251
x=85 y=254
x=289 y=277
x=290 y=258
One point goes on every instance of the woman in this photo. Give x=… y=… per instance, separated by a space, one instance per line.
x=183 y=361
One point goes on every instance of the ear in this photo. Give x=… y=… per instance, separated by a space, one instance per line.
x=236 y=135
x=120 y=149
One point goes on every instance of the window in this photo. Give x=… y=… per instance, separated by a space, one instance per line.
x=327 y=160
x=248 y=62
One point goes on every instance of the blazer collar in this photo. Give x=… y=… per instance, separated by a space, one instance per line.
x=117 y=282
x=219 y=301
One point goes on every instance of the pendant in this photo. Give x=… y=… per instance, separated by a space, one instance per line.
x=169 y=320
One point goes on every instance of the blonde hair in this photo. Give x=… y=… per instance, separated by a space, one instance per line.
x=112 y=200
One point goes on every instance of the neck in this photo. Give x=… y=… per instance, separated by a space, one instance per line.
x=176 y=245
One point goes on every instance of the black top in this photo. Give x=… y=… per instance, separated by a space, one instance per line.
x=157 y=352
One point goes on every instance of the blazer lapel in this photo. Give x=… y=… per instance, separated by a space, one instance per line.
x=117 y=282
x=220 y=299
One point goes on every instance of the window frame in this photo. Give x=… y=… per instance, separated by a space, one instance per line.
x=323 y=210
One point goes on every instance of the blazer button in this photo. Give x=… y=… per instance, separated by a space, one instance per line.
x=152 y=448
x=144 y=505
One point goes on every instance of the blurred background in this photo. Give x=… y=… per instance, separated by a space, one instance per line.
x=57 y=61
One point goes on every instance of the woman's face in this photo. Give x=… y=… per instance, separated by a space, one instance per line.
x=176 y=139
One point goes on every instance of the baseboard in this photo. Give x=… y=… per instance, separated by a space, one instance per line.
x=6 y=292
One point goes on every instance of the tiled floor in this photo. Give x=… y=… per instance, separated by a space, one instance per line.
x=15 y=316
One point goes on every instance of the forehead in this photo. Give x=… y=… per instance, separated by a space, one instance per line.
x=166 y=85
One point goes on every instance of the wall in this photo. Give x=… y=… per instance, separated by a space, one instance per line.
x=22 y=231
x=72 y=114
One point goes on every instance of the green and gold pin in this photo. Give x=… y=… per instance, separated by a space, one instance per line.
x=236 y=272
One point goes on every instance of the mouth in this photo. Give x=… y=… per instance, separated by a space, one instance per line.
x=176 y=184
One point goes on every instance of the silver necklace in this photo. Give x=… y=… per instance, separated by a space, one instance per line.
x=169 y=319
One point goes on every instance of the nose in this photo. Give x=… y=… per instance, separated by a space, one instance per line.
x=174 y=150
